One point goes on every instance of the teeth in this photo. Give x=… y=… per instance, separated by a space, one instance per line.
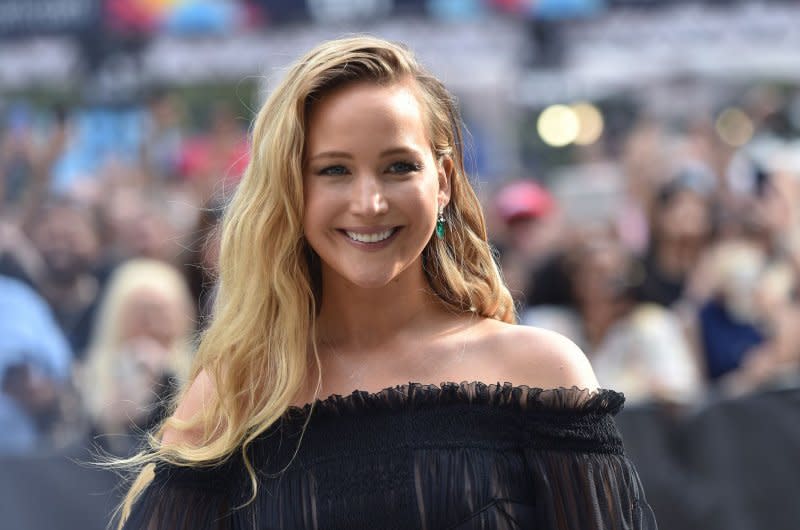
x=370 y=238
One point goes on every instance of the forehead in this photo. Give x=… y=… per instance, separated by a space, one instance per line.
x=366 y=114
x=144 y=297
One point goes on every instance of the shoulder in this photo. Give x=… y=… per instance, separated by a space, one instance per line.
x=193 y=401
x=539 y=358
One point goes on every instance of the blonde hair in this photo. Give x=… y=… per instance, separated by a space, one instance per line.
x=262 y=329
x=95 y=381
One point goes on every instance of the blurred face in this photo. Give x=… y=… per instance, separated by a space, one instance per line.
x=372 y=184
x=597 y=274
x=139 y=227
x=149 y=314
x=685 y=217
x=150 y=237
x=67 y=242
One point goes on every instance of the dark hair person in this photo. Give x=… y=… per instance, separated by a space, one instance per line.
x=354 y=265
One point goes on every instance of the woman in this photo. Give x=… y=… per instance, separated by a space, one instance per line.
x=141 y=342
x=637 y=348
x=681 y=228
x=354 y=263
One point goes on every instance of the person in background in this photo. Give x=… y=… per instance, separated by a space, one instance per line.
x=65 y=235
x=218 y=157
x=25 y=164
x=140 y=225
x=531 y=230
x=35 y=363
x=164 y=137
x=681 y=228
x=142 y=341
x=747 y=326
x=19 y=259
x=639 y=348
x=776 y=361
x=643 y=161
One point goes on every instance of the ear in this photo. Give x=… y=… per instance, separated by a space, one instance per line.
x=446 y=168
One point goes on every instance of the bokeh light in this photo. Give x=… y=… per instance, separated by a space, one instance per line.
x=558 y=125
x=590 y=122
x=734 y=127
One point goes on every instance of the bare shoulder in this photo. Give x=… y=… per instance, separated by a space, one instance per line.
x=539 y=358
x=193 y=402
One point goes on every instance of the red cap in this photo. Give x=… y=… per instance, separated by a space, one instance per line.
x=523 y=199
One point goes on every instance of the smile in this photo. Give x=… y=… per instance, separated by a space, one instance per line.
x=370 y=238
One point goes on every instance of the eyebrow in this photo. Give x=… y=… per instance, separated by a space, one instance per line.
x=387 y=152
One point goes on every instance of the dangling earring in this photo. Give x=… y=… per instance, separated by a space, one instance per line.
x=440 y=223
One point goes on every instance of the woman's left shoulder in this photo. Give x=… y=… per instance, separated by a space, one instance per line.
x=538 y=357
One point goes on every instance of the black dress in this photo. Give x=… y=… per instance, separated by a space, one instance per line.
x=458 y=456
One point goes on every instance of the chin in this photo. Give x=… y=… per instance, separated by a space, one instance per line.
x=371 y=281
x=361 y=274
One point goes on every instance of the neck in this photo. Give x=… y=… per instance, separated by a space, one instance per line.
x=354 y=318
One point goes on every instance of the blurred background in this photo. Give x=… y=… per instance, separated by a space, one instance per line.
x=638 y=162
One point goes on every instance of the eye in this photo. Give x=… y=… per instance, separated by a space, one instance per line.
x=404 y=167
x=333 y=171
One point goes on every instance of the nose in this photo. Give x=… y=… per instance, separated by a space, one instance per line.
x=368 y=198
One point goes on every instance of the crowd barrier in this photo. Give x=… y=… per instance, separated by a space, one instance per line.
x=732 y=464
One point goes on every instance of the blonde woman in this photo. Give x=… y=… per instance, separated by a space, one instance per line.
x=141 y=340
x=348 y=376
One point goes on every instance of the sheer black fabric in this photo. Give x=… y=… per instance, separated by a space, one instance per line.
x=459 y=456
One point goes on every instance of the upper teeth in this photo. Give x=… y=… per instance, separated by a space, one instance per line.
x=370 y=238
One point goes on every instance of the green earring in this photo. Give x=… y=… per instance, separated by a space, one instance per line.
x=440 y=223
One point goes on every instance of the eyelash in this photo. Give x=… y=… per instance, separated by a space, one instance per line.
x=409 y=167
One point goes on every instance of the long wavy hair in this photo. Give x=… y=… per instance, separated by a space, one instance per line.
x=261 y=334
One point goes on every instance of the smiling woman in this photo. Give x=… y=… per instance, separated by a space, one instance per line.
x=354 y=263
x=372 y=183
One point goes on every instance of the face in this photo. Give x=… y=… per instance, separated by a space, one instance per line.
x=597 y=276
x=149 y=314
x=372 y=183
x=67 y=242
x=685 y=217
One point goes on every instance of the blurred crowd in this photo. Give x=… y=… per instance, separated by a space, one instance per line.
x=688 y=287
x=106 y=279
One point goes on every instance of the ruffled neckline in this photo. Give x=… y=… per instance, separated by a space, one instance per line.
x=507 y=396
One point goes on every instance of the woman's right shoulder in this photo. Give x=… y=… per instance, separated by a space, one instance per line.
x=197 y=398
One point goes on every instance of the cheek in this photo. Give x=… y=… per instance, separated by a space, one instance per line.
x=418 y=200
x=422 y=199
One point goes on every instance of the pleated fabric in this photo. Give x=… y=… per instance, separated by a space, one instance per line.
x=464 y=456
